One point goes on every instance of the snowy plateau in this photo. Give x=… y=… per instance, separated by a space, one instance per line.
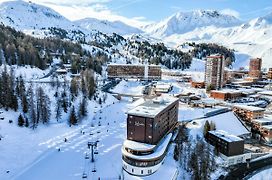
x=58 y=149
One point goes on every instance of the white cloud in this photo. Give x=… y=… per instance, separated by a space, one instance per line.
x=96 y=10
x=79 y=9
x=230 y=12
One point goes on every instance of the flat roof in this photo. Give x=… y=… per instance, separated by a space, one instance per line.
x=249 y=108
x=158 y=152
x=133 y=65
x=138 y=146
x=262 y=120
x=226 y=136
x=269 y=127
x=152 y=107
x=231 y=91
x=268 y=93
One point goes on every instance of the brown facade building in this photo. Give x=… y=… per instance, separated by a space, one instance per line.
x=196 y=84
x=255 y=66
x=139 y=71
x=269 y=74
x=214 y=71
x=226 y=95
x=227 y=144
x=152 y=120
x=248 y=113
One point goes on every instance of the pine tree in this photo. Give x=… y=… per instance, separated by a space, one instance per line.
x=206 y=128
x=73 y=87
x=43 y=106
x=32 y=107
x=26 y=122
x=24 y=103
x=72 y=118
x=21 y=121
x=83 y=108
x=58 y=110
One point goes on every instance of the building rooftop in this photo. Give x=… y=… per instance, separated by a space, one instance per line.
x=263 y=120
x=138 y=146
x=226 y=136
x=269 y=127
x=231 y=91
x=249 y=108
x=215 y=56
x=266 y=93
x=115 y=64
x=158 y=151
x=152 y=107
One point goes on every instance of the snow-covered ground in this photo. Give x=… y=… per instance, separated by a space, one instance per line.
x=129 y=87
x=226 y=122
x=263 y=175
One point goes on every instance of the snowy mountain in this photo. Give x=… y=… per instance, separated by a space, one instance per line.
x=26 y=15
x=183 y=22
x=107 y=27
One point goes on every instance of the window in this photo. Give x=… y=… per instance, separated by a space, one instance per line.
x=132 y=170
x=149 y=171
x=142 y=171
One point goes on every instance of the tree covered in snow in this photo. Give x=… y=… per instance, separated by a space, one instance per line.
x=43 y=106
x=21 y=121
x=72 y=118
x=8 y=98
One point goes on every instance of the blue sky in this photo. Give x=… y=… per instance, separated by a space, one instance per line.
x=142 y=12
x=158 y=9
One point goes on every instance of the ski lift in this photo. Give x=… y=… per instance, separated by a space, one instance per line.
x=84 y=175
x=95 y=152
x=93 y=170
x=87 y=156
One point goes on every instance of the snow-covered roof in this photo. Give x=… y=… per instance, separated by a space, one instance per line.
x=263 y=120
x=138 y=146
x=226 y=136
x=249 y=108
x=231 y=91
x=269 y=127
x=158 y=152
x=119 y=64
x=152 y=107
x=267 y=93
x=61 y=71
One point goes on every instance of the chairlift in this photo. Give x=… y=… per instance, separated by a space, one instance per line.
x=93 y=170
x=95 y=152
x=84 y=176
x=87 y=156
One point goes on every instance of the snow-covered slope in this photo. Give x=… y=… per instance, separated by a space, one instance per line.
x=107 y=27
x=33 y=18
x=183 y=22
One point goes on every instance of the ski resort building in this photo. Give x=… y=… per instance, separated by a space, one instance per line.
x=269 y=73
x=255 y=66
x=138 y=71
x=214 y=71
x=150 y=129
x=264 y=128
x=226 y=95
x=248 y=113
x=230 y=147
